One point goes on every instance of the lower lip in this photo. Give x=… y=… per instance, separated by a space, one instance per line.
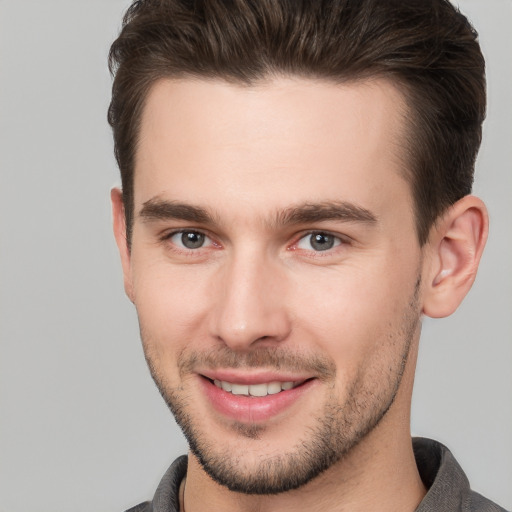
x=249 y=409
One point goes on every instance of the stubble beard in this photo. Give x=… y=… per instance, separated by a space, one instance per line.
x=336 y=432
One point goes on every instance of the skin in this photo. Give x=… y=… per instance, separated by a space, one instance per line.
x=258 y=294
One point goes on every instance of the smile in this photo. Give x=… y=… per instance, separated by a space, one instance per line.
x=254 y=399
x=259 y=390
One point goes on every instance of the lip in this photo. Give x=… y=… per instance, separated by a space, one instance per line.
x=249 y=378
x=249 y=409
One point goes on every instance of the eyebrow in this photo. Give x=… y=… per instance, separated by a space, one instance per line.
x=330 y=210
x=159 y=209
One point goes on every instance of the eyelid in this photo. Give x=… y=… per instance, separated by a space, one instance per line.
x=343 y=240
x=167 y=236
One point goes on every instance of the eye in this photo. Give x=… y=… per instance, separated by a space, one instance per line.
x=190 y=240
x=318 y=241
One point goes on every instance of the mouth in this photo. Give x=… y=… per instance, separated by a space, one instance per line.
x=257 y=390
x=254 y=399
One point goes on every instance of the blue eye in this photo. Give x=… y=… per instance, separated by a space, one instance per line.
x=318 y=241
x=190 y=239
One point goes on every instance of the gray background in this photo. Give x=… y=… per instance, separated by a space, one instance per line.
x=82 y=427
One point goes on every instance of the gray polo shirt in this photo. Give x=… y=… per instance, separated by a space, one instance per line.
x=448 y=486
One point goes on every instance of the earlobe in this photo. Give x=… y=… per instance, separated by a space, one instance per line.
x=456 y=244
x=119 y=225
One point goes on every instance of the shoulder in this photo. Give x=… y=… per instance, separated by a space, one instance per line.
x=141 y=507
x=447 y=486
x=478 y=503
x=166 y=497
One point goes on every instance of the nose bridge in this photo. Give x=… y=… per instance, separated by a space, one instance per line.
x=251 y=305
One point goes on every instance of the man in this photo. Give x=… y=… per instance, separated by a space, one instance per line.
x=296 y=180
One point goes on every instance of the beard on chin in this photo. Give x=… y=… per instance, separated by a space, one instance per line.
x=322 y=446
x=338 y=428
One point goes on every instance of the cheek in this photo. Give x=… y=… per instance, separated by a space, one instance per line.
x=351 y=313
x=171 y=306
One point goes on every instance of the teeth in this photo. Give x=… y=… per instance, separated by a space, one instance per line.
x=273 y=388
x=239 y=389
x=270 y=388
x=258 y=389
x=226 y=386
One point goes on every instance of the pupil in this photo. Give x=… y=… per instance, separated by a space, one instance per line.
x=321 y=242
x=192 y=240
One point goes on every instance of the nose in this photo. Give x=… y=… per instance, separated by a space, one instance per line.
x=251 y=309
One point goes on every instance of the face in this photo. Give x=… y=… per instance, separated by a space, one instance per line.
x=275 y=270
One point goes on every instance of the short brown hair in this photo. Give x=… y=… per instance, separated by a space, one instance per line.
x=427 y=47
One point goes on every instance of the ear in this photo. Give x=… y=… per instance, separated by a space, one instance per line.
x=456 y=243
x=119 y=221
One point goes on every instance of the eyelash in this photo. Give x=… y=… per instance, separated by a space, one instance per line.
x=185 y=250
x=338 y=241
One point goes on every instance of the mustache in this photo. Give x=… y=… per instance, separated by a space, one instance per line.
x=278 y=359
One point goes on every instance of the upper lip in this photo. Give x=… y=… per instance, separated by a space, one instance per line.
x=251 y=377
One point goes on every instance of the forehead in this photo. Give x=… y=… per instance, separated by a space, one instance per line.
x=271 y=144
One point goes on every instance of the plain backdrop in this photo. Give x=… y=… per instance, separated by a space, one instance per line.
x=82 y=426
